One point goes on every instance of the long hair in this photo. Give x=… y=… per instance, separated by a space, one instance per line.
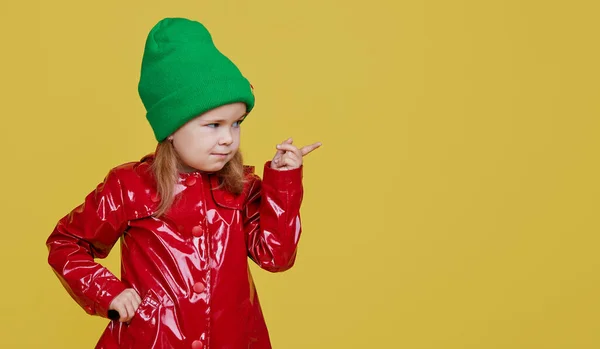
x=166 y=172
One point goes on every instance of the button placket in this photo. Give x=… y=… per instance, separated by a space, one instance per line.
x=200 y=239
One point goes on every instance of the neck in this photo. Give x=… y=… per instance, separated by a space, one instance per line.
x=183 y=168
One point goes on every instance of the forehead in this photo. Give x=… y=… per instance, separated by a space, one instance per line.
x=226 y=112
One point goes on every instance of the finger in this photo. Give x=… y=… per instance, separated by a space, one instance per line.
x=290 y=148
x=287 y=141
x=133 y=295
x=127 y=311
x=122 y=312
x=138 y=298
x=136 y=303
x=277 y=157
x=279 y=152
x=295 y=157
x=276 y=161
x=291 y=161
x=128 y=297
x=307 y=149
x=130 y=310
x=290 y=164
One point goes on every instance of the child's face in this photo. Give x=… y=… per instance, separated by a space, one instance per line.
x=209 y=141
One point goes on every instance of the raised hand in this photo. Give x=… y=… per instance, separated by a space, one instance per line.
x=289 y=157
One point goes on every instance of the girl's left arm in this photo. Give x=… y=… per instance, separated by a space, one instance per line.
x=272 y=218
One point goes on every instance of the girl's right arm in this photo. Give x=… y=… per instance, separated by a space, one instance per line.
x=88 y=232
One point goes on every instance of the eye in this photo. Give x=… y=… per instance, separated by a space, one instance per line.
x=237 y=123
x=213 y=125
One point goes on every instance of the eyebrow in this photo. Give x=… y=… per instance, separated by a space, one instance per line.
x=223 y=120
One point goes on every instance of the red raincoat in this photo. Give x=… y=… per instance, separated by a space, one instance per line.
x=190 y=266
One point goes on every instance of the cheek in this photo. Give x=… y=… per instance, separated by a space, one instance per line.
x=184 y=141
x=236 y=135
x=195 y=137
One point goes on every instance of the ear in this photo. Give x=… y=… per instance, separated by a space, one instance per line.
x=170 y=138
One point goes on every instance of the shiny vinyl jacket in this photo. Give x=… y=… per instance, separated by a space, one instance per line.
x=189 y=266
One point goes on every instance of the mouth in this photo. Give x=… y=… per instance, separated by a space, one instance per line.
x=220 y=154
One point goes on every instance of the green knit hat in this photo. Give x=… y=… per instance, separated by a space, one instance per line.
x=184 y=75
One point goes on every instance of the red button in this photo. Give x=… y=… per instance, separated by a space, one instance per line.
x=155 y=198
x=198 y=287
x=190 y=181
x=197 y=231
x=197 y=345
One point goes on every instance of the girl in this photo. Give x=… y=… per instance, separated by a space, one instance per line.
x=188 y=215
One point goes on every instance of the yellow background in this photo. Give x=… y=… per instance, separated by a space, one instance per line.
x=454 y=203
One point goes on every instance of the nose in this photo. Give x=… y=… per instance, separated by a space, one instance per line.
x=226 y=137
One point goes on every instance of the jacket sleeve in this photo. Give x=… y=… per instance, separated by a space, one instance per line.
x=88 y=232
x=272 y=218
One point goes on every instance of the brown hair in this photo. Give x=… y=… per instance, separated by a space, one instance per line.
x=166 y=172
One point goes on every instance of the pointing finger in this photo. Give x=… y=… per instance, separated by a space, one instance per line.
x=307 y=149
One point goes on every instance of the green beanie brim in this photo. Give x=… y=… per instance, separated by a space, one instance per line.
x=179 y=107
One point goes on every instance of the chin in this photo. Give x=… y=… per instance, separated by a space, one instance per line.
x=213 y=168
